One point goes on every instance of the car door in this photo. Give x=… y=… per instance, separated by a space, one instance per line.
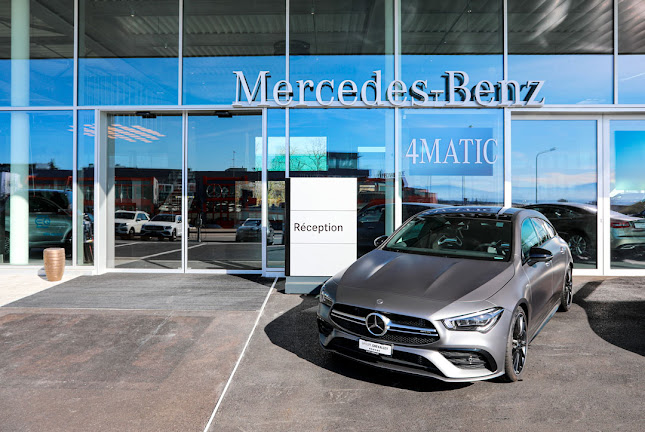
x=538 y=274
x=554 y=245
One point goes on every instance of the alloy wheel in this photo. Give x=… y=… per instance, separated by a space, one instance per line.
x=568 y=288
x=578 y=245
x=520 y=343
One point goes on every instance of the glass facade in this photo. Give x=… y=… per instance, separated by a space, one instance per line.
x=197 y=112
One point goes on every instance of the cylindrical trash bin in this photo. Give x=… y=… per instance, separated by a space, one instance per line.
x=54 y=263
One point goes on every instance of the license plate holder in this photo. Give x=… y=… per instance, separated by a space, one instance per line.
x=375 y=348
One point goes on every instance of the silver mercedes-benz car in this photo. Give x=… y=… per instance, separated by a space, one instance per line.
x=455 y=294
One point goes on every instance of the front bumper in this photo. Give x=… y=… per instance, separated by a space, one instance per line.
x=160 y=234
x=446 y=359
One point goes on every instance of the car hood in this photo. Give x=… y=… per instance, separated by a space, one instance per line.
x=409 y=278
x=119 y=220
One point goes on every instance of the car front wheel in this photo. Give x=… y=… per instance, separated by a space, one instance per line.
x=173 y=236
x=566 y=297
x=516 y=347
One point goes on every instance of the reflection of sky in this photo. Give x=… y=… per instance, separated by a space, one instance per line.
x=50 y=138
x=347 y=130
x=631 y=79
x=50 y=82
x=570 y=79
x=433 y=67
x=210 y=80
x=339 y=68
x=161 y=153
x=87 y=131
x=131 y=81
x=627 y=156
x=567 y=173
x=450 y=187
x=215 y=144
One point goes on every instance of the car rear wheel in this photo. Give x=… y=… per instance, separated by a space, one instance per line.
x=516 y=347
x=566 y=297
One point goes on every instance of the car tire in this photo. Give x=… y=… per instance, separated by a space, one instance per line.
x=566 y=296
x=516 y=347
x=131 y=233
x=173 y=236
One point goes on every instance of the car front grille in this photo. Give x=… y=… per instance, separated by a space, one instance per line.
x=154 y=228
x=404 y=330
x=350 y=348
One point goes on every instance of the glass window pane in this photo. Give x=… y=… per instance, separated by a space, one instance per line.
x=627 y=194
x=85 y=188
x=144 y=176
x=631 y=52
x=37 y=55
x=451 y=35
x=327 y=143
x=339 y=40
x=128 y=52
x=225 y=36
x=569 y=44
x=452 y=157
x=35 y=185
x=554 y=162
x=225 y=192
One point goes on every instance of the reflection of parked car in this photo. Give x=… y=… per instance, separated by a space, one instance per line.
x=576 y=223
x=50 y=220
x=371 y=222
x=162 y=226
x=128 y=223
x=251 y=230
x=456 y=294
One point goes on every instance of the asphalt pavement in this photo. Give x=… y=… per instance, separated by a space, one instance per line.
x=141 y=352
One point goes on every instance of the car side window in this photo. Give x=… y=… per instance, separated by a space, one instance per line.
x=372 y=215
x=529 y=237
x=543 y=236
x=548 y=227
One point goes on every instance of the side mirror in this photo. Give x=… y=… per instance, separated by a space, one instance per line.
x=537 y=255
x=378 y=241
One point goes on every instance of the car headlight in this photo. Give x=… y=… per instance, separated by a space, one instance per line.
x=481 y=321
x=325 y=297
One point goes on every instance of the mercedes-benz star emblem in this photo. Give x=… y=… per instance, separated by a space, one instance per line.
x=379 y=301
x=377 y=324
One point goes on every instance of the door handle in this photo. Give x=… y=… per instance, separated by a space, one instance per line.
x=548 y=263
x=561 y=249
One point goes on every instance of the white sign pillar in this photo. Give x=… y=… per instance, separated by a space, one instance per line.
x=322 y=225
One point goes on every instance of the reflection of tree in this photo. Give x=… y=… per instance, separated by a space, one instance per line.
x=309 y=157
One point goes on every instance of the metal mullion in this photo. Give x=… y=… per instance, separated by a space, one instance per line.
x=184 y=191
x=505 y=38
x=75 y=78
x=264 y=190
x=287 y=144
x=604 y=201
x=75 y=187
x=398 y=200
x=180 y=56
x=508 y=187
x=615 y=81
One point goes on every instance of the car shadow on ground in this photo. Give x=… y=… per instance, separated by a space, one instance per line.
x=621 y=323
x=296 y=331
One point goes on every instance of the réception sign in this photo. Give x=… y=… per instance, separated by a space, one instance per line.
x=457 y=91
x=322 y=225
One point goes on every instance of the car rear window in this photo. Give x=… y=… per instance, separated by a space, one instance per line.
x=455 y=236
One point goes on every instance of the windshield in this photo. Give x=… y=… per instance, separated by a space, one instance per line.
x=164 y=218
x=252 y=222
x=124 y=215
x=454 y=236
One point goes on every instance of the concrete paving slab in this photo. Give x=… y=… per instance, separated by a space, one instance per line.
x=584 y=373
x=154 y=291
x=16 y=286
x=83 y=366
